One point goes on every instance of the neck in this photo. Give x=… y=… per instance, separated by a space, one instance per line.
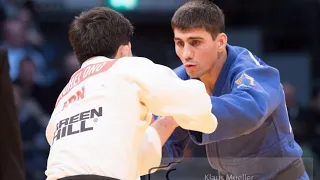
x=210 y=78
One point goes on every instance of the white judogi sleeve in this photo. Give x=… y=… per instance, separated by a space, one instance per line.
x=150 y=152
x=50 y=131
x=165 y=94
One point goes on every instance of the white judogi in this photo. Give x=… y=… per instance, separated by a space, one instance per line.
x=101 y=121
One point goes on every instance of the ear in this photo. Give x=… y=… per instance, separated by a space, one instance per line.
x=124 y=51
x=222 y=40
x=129 y=49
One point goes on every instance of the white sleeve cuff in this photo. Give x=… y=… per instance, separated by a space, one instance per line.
x=150 y=152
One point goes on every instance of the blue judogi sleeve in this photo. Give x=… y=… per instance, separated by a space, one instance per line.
x=255 y=94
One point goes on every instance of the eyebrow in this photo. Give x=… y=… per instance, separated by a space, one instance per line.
x=190 y=38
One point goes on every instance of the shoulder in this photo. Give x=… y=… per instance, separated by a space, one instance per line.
x=143 y=66
x=245 y=60
x=247 y=65
x=133 y=64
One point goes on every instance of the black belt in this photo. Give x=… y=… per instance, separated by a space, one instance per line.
x=294 y=171
x=87 y=177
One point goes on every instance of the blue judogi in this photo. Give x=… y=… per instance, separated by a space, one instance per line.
x=249 y=103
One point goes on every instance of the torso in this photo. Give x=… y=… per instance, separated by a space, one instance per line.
x=103 y=133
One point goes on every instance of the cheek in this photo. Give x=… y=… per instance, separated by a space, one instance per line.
x=178 y=51
x=206 y=58
x=206 y=65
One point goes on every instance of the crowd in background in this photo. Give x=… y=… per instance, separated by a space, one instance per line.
x=36 y=85
x=37 y=82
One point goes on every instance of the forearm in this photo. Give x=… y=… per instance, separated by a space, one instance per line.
x=240 y=114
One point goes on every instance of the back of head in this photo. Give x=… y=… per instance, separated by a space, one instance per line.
x=99 y=32
x=199 y=14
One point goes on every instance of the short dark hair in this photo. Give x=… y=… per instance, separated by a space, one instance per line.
x=99 y=32
x=199 y=14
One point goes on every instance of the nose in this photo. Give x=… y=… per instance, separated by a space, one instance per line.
x=187 y=53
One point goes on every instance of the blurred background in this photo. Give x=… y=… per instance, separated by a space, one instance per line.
x=285 y=34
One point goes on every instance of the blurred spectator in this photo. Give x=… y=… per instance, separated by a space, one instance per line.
x=28 y=15
x=26 y=76
x=28 y=109
x=15 y=41
x=34 y=36
x=294 y=112
x=25 y=79
x=310 y=120
x=297 y=114
x=33 y=123
x=291 y=101
x=43 y=95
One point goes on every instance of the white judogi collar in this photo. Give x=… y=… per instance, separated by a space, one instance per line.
x=95 y=59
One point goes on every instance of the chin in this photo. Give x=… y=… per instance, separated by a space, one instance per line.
x=193 y=75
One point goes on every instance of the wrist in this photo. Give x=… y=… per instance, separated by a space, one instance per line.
x=173 y=123
x=169 y=122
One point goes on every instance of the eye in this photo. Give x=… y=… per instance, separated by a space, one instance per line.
x=180 y=43
x=195 y=43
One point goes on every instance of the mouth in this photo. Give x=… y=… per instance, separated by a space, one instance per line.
x=189 y=65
